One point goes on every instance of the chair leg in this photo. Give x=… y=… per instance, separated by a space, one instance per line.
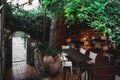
x=71 y=73
x=67 y=73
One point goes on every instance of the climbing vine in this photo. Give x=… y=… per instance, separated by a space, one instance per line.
x=32 y=22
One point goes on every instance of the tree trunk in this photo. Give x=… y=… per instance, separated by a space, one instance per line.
x=57 y=35
x=52 y=32
x=61 y=32
x=44 y=28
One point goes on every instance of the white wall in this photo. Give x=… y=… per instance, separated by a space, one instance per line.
x=35 y=4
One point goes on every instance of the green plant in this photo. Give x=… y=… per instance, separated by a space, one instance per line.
x=102 y=15
x=31 y=22
x=51 y=51
x=48 y=50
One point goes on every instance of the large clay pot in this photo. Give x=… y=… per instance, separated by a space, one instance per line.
x=55 y=67
x=47 y=59
x=51 y=65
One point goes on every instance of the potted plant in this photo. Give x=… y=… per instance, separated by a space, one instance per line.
x=51 y=60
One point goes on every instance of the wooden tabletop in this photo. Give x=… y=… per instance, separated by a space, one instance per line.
x=76 y=55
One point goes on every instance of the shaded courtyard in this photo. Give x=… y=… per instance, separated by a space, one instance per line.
x=59 y=40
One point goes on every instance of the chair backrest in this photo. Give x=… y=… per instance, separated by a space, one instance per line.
x=65 y=46
x=92 y=55
x=83 y=51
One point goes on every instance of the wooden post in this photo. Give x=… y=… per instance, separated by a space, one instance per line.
x=30 y=52
x=8 y=53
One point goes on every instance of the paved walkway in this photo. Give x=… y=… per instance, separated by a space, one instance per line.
x=21 y=71
x=19 y=51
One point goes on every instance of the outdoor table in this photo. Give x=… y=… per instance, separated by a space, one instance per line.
x=77 y=57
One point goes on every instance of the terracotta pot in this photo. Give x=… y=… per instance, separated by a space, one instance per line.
x=51 y=65
x=47 y=59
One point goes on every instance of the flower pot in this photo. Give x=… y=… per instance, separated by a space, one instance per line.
x=51 y=65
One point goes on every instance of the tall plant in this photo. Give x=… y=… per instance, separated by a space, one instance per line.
x=112 y=10
x=102 y=15
x=55 y=9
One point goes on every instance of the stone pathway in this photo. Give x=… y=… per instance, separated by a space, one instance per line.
x=21 y=71
x=19 y=51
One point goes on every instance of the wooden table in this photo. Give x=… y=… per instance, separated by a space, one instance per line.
x=77 y=57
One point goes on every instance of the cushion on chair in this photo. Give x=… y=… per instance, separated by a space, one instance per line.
x=67 y=64
x=65 y=46
x=83 y=51
x=64 y=54
x=92 y=55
